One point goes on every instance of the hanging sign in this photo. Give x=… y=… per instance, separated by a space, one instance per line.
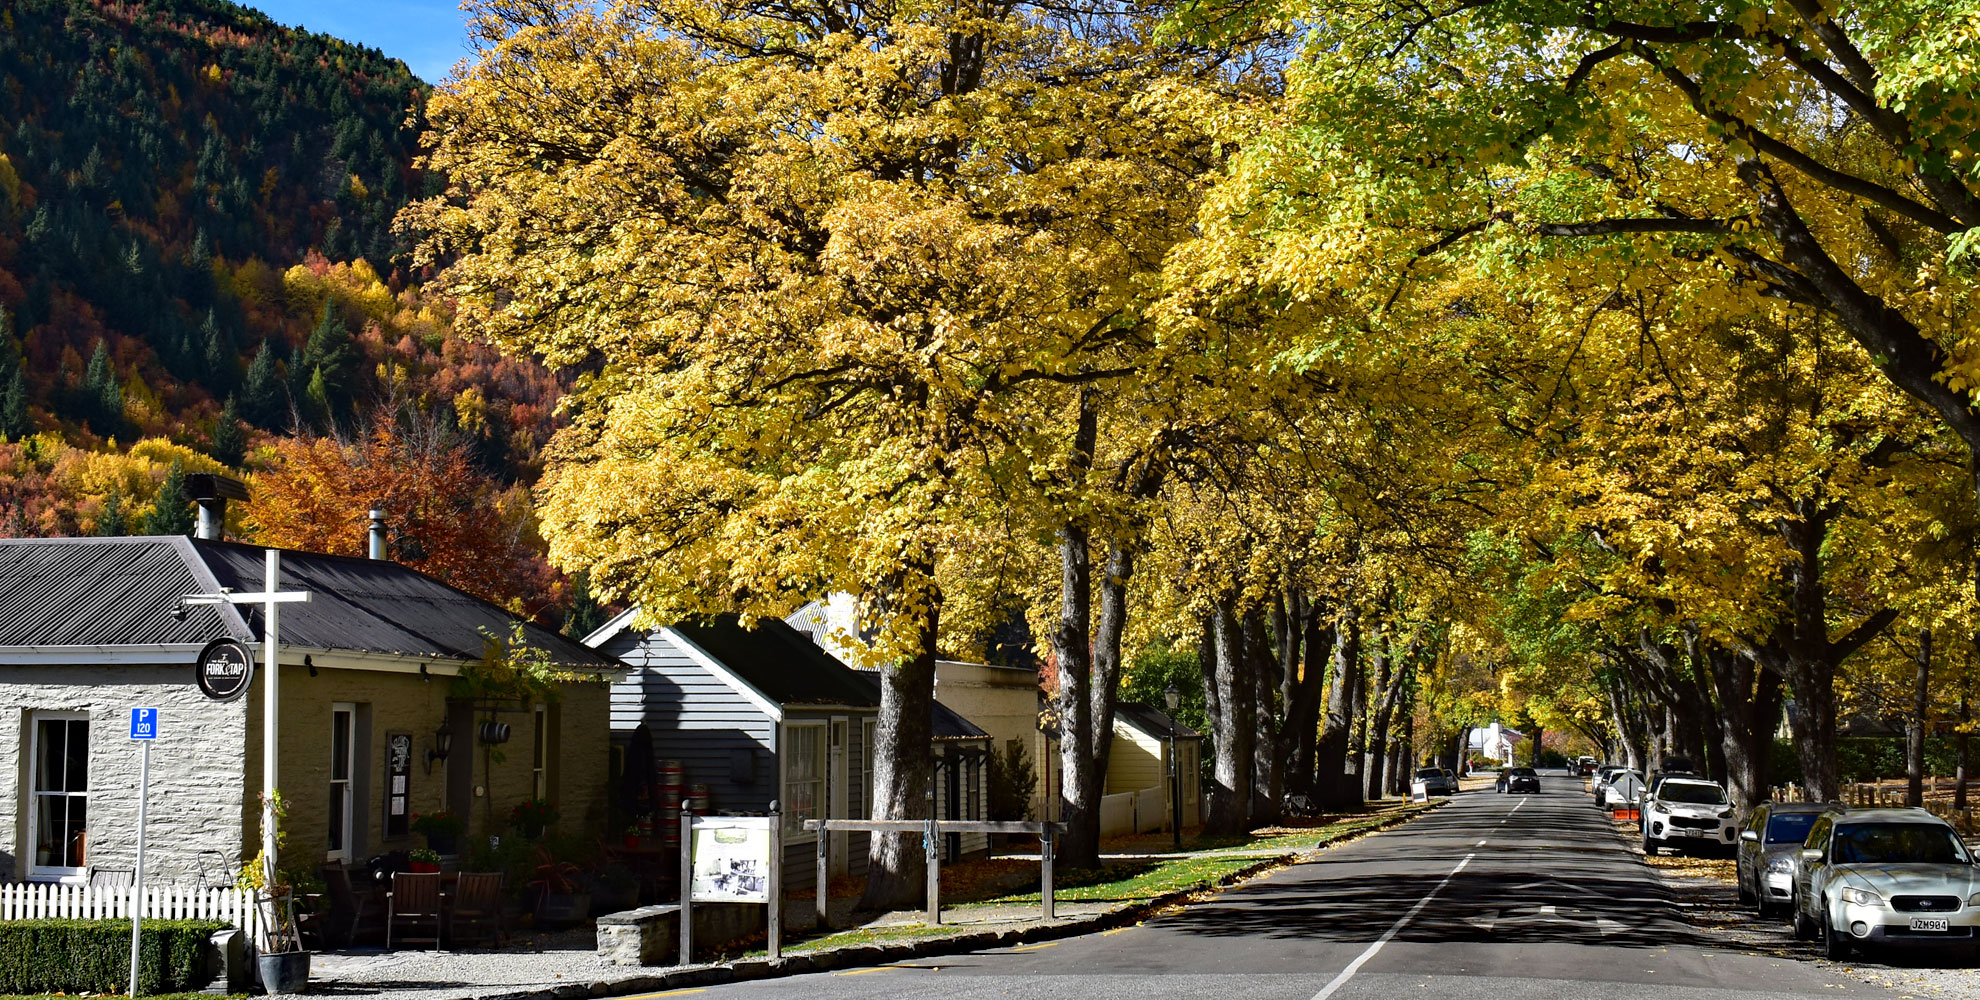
x=224 y=670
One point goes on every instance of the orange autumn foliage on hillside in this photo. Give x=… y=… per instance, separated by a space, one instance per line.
x=444 y=518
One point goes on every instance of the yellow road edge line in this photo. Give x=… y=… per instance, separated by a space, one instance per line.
x=1113 y=932
x=862 y=972
x=1035 y=947
x=669 y=993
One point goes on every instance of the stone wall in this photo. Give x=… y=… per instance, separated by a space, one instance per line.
x=197 y=782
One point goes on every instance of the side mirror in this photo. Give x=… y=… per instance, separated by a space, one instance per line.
x=1750 y=836
x=1811 y=854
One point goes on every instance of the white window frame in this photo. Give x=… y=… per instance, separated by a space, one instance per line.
x=347 y=785
x=52 y=873
x=794 y=832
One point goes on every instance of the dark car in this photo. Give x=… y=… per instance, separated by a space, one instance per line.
x=1522 y=779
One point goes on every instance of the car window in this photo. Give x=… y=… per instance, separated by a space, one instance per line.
x=1689 y=792
x=1429 y=772
x=1896 y=844
x=1790 y=828
x=1522 y=772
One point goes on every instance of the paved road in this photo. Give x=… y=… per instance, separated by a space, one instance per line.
x=1492 y=896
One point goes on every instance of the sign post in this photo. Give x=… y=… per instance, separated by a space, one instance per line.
x=271 y=603
x=144 y=729
x=730 y=859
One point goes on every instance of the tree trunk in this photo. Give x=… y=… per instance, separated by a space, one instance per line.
x=1751 y=697
x=1389 y=688
x=1336 y=791
x=901 y=773
x=1300 y=733
x=1234 y=726
x=1959 y=743
x=1111 y=626
x=1921 y=707
x=1267 y=788
x=1072 y=646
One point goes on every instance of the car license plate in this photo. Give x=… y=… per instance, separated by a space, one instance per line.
x=1929 y=924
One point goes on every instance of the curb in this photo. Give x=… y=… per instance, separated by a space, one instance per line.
x=857 y=956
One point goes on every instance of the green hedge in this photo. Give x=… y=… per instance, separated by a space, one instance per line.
x=94 y=956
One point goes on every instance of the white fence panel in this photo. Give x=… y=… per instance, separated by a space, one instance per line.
x=38 y=900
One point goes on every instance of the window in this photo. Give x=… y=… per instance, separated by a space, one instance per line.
x=804 y=776
x=343 y=747
x=1785 y=828
x=539 y=755
x=59 y=819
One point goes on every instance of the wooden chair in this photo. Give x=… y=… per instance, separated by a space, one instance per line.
x=351 y=912
x=477 y=908
x=414 y=901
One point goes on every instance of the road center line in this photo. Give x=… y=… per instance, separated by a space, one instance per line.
x=1360 y=960
x=1394 y=929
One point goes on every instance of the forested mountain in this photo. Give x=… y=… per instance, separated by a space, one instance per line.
x=197 y=245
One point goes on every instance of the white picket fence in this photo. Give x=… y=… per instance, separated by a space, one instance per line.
x=36 y=900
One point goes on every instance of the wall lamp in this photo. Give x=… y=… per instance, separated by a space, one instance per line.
x=443 y=743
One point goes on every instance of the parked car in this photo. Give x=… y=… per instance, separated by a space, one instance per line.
x=1609 y=780
x=1522 y=779
x=1437 y=780
x=1585 y=766
x=1885 y=876
x=1768 y=848
x=1686 y=811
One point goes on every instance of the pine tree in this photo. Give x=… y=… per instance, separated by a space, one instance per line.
x=586 y=614
x=112 y=521
x=105 y=397
x=318 y=398
x=171 y=512
x=229 y=437
x=220 y=371
x=262 y=400
x=14 y=423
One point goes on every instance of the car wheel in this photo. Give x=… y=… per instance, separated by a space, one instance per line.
x=1835 y=946
x=1746 y=896
x=1649 y=847
x=1803 y=928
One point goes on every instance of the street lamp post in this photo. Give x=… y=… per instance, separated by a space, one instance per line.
x=1174 y=698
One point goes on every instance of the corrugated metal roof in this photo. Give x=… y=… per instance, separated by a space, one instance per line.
x=120 y=591
x=945 y=722
x=1152 y=720
x=104 y=592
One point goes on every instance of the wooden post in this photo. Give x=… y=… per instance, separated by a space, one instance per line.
x=824 y=866
x=777 y=880
x=1045 y=851
x=687 y=888
x=930 y=851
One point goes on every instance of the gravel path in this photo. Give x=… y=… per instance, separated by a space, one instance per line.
x=529 y=961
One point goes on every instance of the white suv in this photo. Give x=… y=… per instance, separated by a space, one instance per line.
x=1687 y=811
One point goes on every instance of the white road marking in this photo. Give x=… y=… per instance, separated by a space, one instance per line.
x=1396 y=928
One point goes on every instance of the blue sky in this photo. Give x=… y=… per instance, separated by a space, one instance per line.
x=427 y=34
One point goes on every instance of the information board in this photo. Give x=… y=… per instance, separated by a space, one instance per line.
x=398 y=783
x=731 y=859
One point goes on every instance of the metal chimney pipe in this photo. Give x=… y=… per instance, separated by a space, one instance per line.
x=211 y=492
x=212 y=514
x=377 y=534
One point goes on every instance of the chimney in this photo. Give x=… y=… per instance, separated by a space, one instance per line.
x=212 y=492
x=377 y=534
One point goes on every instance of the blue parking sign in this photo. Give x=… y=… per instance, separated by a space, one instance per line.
x=144 y=723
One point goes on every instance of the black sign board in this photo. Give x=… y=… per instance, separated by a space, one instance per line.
x=398 y=783
x=224 y=670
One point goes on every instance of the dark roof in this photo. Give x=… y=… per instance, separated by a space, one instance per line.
x=780 y=662
x=1152 y=721
x=945 y=723
x=119 y=591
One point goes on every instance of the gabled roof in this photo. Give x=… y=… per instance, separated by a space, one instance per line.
x=780 y=662
x=1152 y=720
x=121 y=591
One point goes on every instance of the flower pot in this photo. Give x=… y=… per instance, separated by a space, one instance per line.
x=632 y=840
x=283 y=972
x=425 y=867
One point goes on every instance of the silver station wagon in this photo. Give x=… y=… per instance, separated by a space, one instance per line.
x=1885 y=876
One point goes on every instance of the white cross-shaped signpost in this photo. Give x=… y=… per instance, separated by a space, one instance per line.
x=271 y=690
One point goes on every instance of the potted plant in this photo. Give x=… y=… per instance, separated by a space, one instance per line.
x=279 y=956
x=424 y=859
x=559 y=897
x=442 y=830
x=632 y=835
x=531 y=817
